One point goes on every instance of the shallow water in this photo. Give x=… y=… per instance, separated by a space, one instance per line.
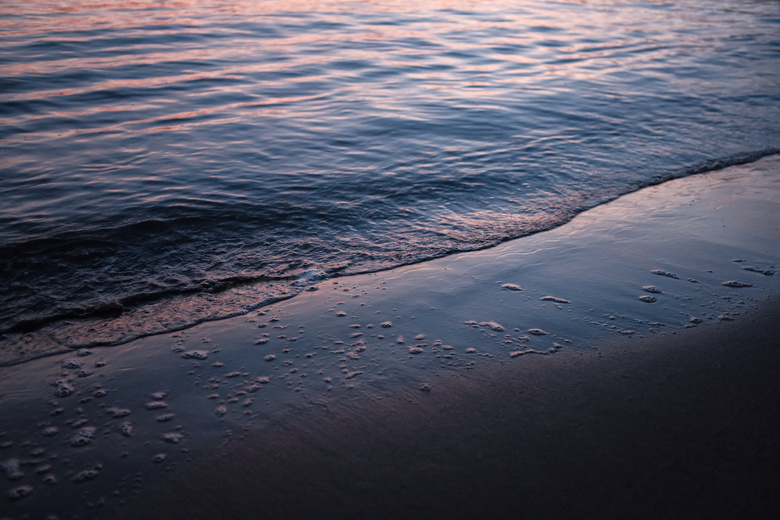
x=164 y=163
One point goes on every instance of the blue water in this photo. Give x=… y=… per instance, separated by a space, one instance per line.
x=166 y=162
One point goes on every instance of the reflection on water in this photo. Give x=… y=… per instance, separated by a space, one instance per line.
x=156 y=152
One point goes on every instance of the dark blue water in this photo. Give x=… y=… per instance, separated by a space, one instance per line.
x=166 y=162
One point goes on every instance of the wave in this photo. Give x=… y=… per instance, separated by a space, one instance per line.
x=109 y=286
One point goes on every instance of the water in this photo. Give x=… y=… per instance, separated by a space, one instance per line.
x=169 y=162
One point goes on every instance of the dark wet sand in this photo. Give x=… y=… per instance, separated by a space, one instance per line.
x=680 y=425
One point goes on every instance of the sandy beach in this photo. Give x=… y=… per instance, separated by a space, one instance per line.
x=622 y=365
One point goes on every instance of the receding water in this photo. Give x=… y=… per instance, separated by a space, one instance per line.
x=167 y=162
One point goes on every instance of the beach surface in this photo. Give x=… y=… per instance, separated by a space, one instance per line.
x=622 y=365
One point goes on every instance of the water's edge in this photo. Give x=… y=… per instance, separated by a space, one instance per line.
x=116 y=324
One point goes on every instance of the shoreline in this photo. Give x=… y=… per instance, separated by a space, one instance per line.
x=429 y=378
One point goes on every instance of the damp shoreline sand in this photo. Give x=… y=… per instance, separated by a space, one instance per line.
x=621 y=365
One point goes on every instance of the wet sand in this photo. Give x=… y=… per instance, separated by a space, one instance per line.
x=623 y=365
x=675 y=426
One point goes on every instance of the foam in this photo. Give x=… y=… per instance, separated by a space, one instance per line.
x=64 y=388
x=172 y=437
x=195 y=354
x=20 y=492
x=492 y=324
x=765 y=272
x=511 y=287
x=83 y=437
x=12 y=468
x=652 y=289
x=554 y=299
x=648 y=299
x=661 y=272
x=118 y=412
x=71 y=363
x=736 y=284
x=87 y=474
x=538 y=332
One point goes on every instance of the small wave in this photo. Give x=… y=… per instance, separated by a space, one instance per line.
x=131 y=316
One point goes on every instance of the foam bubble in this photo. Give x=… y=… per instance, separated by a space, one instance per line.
x=415 y=350
x=736 y=284
x=87 y=474
x=661 y=272
x=172 y=437
x=220 y=410
x=387 y=324
x=12 y=468
x=350 y=375
x=538 y=332
x=652 y=289
x=71 y=363
x=648 y=299
x=492 y=324
x=159 y=396
x=195 y=354
x=159 y=457
x=751 y=268
x=126 y=428
x=554 y=299
x=511 y=287
x=20 y=492
x=156 y=405
x=164 y=417
x=118 y=412
x=270 y=357
x=64 y=388
x=83 y=437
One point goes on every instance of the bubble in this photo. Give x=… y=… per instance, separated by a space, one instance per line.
x=652 y=289
x=20 y=492
x=118 y=412
x=648 y=299
x=83 y=437
x=492 y=324
x=87 y=474
x=736 y=284
x=195 y=354
x=172 y=437
x=538 y=332
x=661 y=272
x=12 y=468
x=511 y=287
x=554 y=299
x=156 y=405
x=71 y=363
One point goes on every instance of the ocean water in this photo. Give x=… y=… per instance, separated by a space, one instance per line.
x=163 y=162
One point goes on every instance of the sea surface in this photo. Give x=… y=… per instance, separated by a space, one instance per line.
x=163 y=163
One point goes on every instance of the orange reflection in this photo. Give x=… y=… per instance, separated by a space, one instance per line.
x=473 y=49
